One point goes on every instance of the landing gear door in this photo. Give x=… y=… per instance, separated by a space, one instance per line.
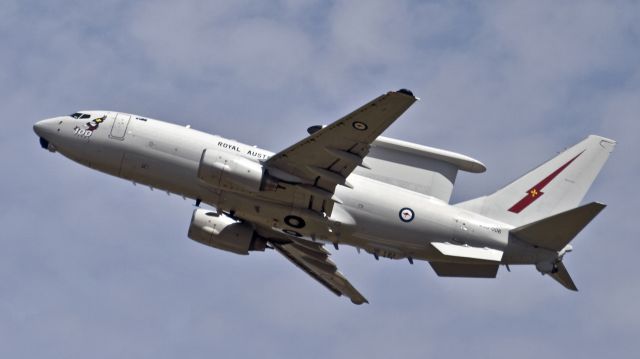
x=119 y=129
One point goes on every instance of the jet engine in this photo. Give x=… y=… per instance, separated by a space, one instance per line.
x=229 y=172
x=223 y=232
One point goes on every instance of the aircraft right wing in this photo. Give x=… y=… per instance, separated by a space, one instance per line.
x=314 y=260
x=325 y=158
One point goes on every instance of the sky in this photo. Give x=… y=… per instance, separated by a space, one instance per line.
x=92 y=266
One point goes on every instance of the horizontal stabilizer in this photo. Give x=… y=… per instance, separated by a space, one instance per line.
x=465 y=270
x=464 y=251
x=562 y=276
x=557 y=231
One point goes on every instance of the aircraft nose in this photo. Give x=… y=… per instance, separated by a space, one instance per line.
x=46 y=130
x=44 y=127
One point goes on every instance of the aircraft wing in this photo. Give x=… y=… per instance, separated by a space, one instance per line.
x=312 y=258
x=326 y=157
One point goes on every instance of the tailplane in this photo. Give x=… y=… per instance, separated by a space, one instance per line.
x=561 y=275
x=554 y=187
x=557 y=231
x=554 y=233
x=543 y=204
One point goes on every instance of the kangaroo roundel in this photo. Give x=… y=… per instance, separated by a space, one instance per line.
x=406 y=214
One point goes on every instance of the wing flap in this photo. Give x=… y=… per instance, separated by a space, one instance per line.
x=464 y=251
x=314 y=260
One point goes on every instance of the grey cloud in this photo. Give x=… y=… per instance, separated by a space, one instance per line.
x=93 y=266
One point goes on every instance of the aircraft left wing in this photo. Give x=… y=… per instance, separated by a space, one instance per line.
x=327 y=157
x=312 y=258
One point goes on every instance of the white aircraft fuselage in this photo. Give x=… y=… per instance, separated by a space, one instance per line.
x=166 y=156
x=384 y=219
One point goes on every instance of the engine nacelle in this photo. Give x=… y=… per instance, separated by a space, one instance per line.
x=229 y=172
x=223 y=232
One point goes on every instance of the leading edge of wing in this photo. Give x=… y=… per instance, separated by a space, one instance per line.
x=313 y=259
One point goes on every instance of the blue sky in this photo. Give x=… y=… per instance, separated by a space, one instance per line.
x=92 y=266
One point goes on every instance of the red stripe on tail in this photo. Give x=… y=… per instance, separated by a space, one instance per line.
x=536 y=191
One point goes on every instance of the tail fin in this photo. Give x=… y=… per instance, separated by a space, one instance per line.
x=555 y=186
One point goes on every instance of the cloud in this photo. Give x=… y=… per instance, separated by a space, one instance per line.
x=92 y=265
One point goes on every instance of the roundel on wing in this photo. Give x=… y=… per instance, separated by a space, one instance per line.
x=360 y=126
x=294 y=221
x=406 y=214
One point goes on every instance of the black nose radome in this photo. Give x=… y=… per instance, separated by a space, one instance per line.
x=44 y=143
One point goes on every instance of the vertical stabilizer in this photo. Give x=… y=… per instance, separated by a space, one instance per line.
x=554 y=187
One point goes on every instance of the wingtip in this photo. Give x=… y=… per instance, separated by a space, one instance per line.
x=408 y=93
x=600 y=205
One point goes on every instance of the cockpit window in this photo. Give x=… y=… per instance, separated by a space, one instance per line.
x=80 y=115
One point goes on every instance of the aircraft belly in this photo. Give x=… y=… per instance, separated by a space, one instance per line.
x=403 y=223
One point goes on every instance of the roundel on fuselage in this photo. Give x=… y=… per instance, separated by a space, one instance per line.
x=406 y=214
